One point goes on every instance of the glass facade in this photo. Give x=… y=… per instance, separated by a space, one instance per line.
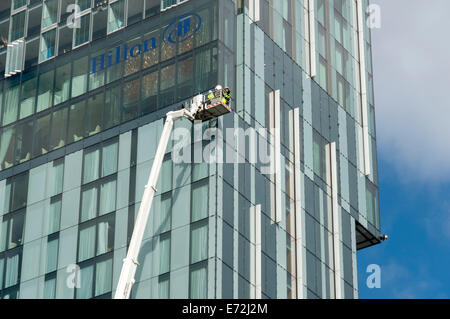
x=79 y=127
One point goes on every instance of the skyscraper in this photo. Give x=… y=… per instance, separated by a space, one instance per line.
x=277 y=208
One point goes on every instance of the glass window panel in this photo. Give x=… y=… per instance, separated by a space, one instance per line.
x=48 y=44
x=62 y=84
x=97 y=78
x=149 y=92
x=166 y=212
x=116 y=16
x=114 y=72
x=49 y=12
x=19 y=190
x=7 y=147
x=185 y=81
x=49 y=288
x=79 y=78
x=12 y=271
x=76 y=122
x=199 y=201
x=203 y=35
x=150 y=56
x=109 y=159
x=24 y=141
x=4 y=236
x=82 y=33
x=89 y=204
x=45 y=91
x=85 y=290
x=164 y=253
x=163 y=287
x=130 y=99
x=202 y=71
x=2 y=267
x=17 y=26
x=59 y=127
x=103 y=277
x=105 y=237
x=41 y=135
x=166 y=174
x=55 y=177
x=152 y=7
x=94 y=117
x=112 y=107
x=134 y=11
x=198 y=283
x=108 y=197
x=168 y=49
x=54 y=216
x=167 y=85
x=91 y=166
x=86 y=244
x=16 y=226
x=52 y=254
x=133 y=62
x=18 y=3
x=28 y=97
x=11 y=105
x=199 y=242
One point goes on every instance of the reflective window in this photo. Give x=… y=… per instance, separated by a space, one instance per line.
x=94 y=114
x=96 y=238
x=130 y=99
x=54 y=215
x=11 y=105
x=41 y=135
x=12 y=230
x=82 y=33
x=164 y=253
x=149 y=92
x=16 y=4
x=199 y=202
x=167 y=85
x=62 y=84
x=112 y=107
x=116 y=15
x=59 y=129
x=7 y=148
x=49 y=12
x=45 y=91
x=24 y=141
x=152 y=7
x=185 y=81
x=17 y=26
x=52 y=253
x=199 y=241
x=79 y=77
x=28 y=97
x=198 y=282
x=76 y=122
x=48 y=42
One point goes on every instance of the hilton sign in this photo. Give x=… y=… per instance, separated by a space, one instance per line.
x=178 y=31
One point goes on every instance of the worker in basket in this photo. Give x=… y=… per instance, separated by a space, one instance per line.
x=227 y=95
x=210 y=96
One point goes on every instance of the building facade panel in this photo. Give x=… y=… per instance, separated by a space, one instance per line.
x=283 y=211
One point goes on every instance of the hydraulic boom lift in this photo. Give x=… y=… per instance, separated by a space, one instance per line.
x=202 y=108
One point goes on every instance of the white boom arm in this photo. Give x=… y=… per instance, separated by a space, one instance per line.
x=130 y=263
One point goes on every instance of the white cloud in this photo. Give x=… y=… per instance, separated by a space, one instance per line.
x=411 y=55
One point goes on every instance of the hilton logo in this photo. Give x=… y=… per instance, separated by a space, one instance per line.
x=179 y=30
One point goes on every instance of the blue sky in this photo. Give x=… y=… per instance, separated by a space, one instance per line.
x=412 y=84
